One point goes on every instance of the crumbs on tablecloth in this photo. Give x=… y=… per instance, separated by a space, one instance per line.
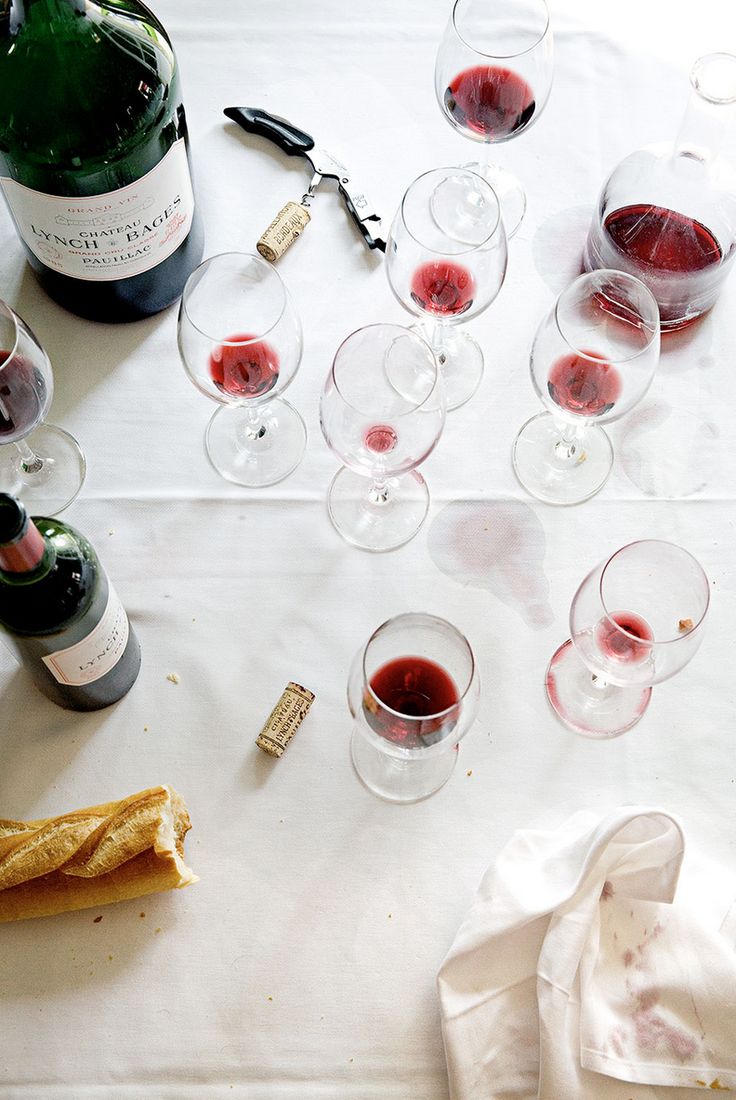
x=685 y=624
x=173 y=678
x=141 y=914
x=469 y=771
x=97 y=919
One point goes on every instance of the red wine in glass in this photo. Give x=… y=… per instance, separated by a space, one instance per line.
x=623 y=636
x=443 y=288
x=22 y=397
x=419 y=689
x=380 y=438
x=243 y=369
x=676 y=256
x=489 y=100
x=586 y=387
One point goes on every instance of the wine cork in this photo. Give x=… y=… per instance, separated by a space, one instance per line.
x=283 y=231
x=285 y=719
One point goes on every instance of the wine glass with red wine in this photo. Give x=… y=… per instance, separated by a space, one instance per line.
x=492 y=78
x=447 y=274
x=593 y=358
x=39 y=463
x=413 y=691
x=240 y=341
x=382 y=412
x=636 y=620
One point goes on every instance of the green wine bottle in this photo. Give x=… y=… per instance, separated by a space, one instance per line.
x=59 y=613
x=93 y=154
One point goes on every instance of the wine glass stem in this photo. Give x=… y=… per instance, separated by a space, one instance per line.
x=437 y=340
x=255 y=427
x=568 y=447
x=378 y=492
x=29 y=460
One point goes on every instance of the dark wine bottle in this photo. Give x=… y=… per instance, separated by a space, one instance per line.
x=60 y=614
x=94 y=160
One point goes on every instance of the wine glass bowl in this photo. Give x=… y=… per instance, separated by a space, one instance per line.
x=413 y=692
x=240 y=342
x=593 y=358
x=493 y=76
x=382 y=412
x=447 y=266
x=39 y=462
x=636 y=620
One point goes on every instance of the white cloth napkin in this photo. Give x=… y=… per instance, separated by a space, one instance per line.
x=575 y=972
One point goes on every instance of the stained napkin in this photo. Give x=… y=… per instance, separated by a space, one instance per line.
x=578 y=976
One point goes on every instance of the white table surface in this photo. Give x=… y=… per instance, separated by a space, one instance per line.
x=303 y=964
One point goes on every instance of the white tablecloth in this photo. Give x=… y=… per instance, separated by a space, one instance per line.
x=303 y=964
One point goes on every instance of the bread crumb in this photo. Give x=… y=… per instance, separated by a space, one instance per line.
x=685 y=624
x=141 y=914
x=469 y=771
x=110 y=957
x=389 y=916
x=269 y=998
x=156 y=931
x=173 y=678
x=350 y=1059
x=111 y=531
x=97 y=919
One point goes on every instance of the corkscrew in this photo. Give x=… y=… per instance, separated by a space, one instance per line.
x=294 y=217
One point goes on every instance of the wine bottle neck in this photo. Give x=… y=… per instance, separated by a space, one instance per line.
x=28 y=552
x=711 y=110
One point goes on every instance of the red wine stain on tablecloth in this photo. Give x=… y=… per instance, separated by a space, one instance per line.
x=498 y=546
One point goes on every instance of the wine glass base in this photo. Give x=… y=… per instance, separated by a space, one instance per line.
x=511 y=195
x=548 y=470
x=400 y=779
x=51 y=488
x=588 y=705
x=256 y=450
x=461 y=363
x=377 y=521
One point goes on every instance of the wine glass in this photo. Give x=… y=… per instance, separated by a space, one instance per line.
x=636 y=620
x=593 y=358
x=41 y=464
x=413 y=691
x=492 y=78
x=449 y=273
x=240 y=341
x=382 y=412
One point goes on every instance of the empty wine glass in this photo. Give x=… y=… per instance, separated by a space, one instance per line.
x=41 y=464
x=636 y=620
x=382 y=412
x=593 y=358
x=493 y=77
x=413 y=691
x=449 y=273
x=240 y=341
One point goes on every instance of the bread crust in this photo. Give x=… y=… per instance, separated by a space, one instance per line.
x=94 y=856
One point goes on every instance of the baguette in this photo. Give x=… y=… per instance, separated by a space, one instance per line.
x=91 y=857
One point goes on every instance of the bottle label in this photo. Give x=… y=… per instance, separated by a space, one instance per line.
x=113 y=236
x=88 y=660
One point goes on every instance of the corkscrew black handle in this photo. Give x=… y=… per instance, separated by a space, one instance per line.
x=294 y=142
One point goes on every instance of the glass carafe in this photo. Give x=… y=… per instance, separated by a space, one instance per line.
x=667 y=214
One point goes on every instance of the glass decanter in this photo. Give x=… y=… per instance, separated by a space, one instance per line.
x=667 y=214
